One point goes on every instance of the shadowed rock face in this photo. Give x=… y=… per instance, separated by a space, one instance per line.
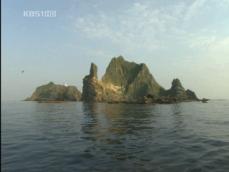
x=54 y=92
x=93 y=71
x=176 y=85
x=177 y=90
x=191 y=95
x=92 y=90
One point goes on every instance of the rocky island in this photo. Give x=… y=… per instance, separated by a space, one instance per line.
x=123 y=82
x=130 y=82
x=53 y=92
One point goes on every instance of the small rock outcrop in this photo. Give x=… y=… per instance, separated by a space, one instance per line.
x=178 y=93
x=54 y=92
x=191 y=95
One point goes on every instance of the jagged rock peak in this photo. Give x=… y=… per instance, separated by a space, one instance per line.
x=177 y=91
x=122 y=72
x=176 y=84
x=119 y=58
x=91 y=87
x=93 y=71
x=134 y=80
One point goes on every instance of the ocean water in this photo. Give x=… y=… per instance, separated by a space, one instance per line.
x=76 y=136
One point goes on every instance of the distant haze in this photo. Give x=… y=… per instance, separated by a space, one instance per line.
x=188 y=40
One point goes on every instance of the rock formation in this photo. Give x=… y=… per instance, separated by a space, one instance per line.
x=54 y=92
x=129 y=82
x=95 y=90
x=178 y=92
x=134 y=80
x=123 y=81
x=92 y=89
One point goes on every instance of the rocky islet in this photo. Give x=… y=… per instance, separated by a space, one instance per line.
x=123 y=82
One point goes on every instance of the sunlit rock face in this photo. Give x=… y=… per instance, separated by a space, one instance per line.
x=55 y=92
x=95 y=90
x=134 y=79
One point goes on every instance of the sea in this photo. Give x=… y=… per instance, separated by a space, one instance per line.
x=88 y=137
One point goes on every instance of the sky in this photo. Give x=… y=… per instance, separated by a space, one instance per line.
x=181 y=39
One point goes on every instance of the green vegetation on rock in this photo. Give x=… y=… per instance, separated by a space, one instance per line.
x=134 y=79
x=54 y=92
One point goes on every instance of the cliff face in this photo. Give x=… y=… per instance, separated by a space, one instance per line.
x=54 y=92
x=134 y=80
x=123 y=81
x=92 y=90
x=95 y=90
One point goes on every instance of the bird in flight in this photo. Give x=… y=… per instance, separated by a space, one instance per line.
x=22 y=71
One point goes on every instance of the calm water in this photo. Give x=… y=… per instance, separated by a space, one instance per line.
x=115 y=137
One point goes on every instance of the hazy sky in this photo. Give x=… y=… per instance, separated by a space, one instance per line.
x=176 y=39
